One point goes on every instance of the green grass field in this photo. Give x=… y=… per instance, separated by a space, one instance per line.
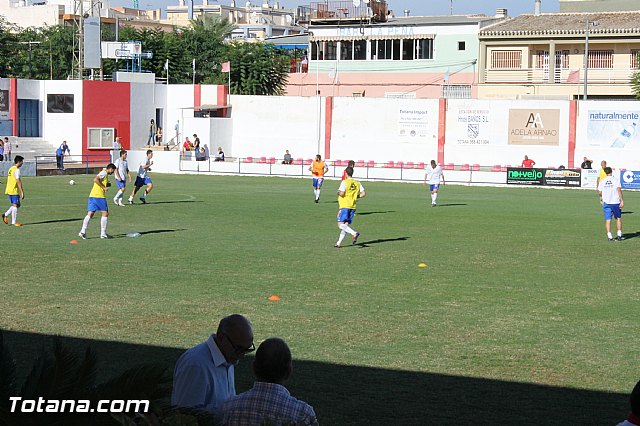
x=524 y=314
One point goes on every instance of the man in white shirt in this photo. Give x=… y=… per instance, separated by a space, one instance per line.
x=122 y=172
x=436 y=177
x=143 y=179
x=612 y=203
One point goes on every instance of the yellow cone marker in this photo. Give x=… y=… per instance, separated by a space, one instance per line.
x=422 y=265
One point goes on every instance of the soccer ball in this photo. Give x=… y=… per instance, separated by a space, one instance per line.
x=72 y=182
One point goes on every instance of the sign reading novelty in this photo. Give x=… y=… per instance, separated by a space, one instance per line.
x=630 y=179
x=613 y=129
x=413 y=122
x=517 y=176
x=534 y=127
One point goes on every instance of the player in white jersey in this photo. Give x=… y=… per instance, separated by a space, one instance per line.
x=143 y=178
x=122 y=172
x=612 y=202
x=435 y=176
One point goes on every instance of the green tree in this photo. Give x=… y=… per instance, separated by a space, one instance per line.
x=204 y=43
x=256 y=69
x=7 y=47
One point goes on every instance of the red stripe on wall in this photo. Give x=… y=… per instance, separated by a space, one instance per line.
x=13 y=104
x=223 y=91
x=573 y=117
x=197 y=95
x=328 y=122
x=107 y=104
x=442 y=128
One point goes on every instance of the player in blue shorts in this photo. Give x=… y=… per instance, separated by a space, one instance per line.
x=98 y=202
x=15 y=191
x=348 y=193
x=612 y=203
x=143 y=178
x=436 y=177
x=122 y=172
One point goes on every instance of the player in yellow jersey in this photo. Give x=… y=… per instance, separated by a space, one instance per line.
x=348 y=193
x=318 y=169
x=15 y=191
x=601 y=175
x=98 y=201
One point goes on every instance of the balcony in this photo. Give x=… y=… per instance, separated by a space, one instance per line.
x=330 y=11
x=565 y=75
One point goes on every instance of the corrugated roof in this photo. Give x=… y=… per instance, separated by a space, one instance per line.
x=403 y=21
x=289 y=40
x=568 y=24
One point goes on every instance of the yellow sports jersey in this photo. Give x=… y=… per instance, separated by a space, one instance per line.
x=317 y=168
x=352 y=189
x=12 y=183
x=602 y=174
x=96 y=191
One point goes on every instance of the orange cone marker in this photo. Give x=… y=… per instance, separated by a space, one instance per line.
x=74 y=241
x=274 y=298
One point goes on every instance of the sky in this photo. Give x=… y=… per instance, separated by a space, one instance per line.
x=417 y=7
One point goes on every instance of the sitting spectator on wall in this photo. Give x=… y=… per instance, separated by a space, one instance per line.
x=159 y=135
x=187 y=144
x=269 y=401
x=201 y=154
x=586 y=163
x=634 y=400
x=287 y=158
x=220 y=155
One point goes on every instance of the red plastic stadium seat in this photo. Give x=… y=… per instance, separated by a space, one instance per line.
x=309 y=161
x=449 y=166
x=272 y=160
x=399 y=165
x=410 y=165
x=248 y=160
x=389 y=164
x=360 y=163
x=337 y=163
x=298 y=161
x=262 y=160
x=551 y=167
x=371 y=164
x=475 y=167
x=420 y=166
x=464 y=168
x=496 y=168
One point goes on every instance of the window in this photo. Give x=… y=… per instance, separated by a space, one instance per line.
x=462 y=45
x=346 y=50
x=562 y=59
x=600 y=59
x=424 y=48
x=360 y=50
x=456 y=91
x=506 y=59
x=101 y=138
x=635 y=61
x=330 y=50
x=386 y=49
x=408 y=48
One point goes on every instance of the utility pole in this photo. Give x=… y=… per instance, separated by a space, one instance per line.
x=30 y=43
x=586 y=55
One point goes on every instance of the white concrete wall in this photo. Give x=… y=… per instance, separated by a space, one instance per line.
x=491 y=145
x=143 y=110
x=380 y=129
x=269 y=125
x=31 y=16
x=209 y=94
x=179 y=106
x=58 y=127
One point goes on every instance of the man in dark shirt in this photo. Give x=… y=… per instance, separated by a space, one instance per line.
x=586 y=164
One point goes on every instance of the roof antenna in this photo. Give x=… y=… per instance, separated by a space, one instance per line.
x=451 y=7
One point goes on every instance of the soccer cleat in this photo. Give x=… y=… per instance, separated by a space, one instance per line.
x=5 y=219
x=115 y=201
x=354 y=239
x=120 y=203
x=130 y=200
x=611 y=240
x=83 y=236
x=621 y=238
x=144 y=200
x=317 y=200
x=337 y=246
x=106 y=236
x=433 y=204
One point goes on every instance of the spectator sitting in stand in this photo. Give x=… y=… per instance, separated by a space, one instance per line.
x=187 y=144
x=287 y=158
x=220 y=154
x=528 y=163
x=201 y=155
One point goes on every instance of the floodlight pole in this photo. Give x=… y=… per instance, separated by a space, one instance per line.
x=586 y=55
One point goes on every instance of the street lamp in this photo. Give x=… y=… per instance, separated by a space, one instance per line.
x=586 y=54
x=30 y=43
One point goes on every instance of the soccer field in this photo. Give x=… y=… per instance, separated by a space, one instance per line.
x=525 y=313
